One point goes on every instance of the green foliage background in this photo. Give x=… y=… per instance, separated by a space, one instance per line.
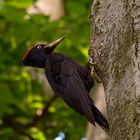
x=20 y=94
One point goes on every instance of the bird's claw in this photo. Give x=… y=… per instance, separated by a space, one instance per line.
x=93 y=73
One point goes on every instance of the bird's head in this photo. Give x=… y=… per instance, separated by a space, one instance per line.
x=37 y=55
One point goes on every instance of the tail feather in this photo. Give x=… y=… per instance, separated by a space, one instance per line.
x=100 y=119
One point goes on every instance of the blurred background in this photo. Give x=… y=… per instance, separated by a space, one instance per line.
x=28 y=108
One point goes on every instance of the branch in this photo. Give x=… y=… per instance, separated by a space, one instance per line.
x=10 y=121
x=43 y=112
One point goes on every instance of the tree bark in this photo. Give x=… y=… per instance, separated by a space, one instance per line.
x=115 y=52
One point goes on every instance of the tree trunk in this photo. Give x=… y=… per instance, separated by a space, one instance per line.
x=55 y=9
x=115 y=51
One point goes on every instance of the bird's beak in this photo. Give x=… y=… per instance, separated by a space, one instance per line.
x=54 y=43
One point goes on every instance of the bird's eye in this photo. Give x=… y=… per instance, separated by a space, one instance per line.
x=39 y=47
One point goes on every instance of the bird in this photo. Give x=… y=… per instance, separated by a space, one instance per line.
x=68 y=79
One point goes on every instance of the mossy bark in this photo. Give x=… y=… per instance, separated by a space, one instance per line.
x=115 y=51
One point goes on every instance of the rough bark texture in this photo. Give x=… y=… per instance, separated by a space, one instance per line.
x=115 y=51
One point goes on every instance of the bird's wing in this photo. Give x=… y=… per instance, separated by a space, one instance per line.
x=68 y=85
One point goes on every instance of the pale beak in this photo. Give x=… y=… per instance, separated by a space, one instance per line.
x=55 y=43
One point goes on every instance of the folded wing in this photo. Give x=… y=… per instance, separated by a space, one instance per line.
x=67 y=84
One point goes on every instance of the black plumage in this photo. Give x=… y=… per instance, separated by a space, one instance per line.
x=68 y=79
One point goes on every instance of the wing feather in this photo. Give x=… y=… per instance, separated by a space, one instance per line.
x=68 y=85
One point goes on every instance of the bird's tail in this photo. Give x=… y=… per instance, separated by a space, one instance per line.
x=100 y=119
